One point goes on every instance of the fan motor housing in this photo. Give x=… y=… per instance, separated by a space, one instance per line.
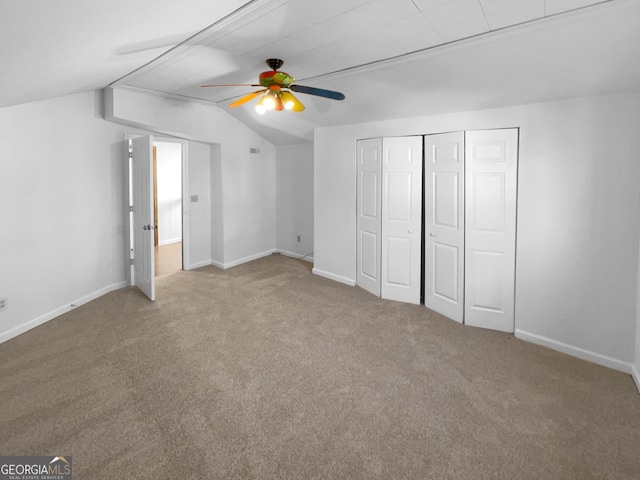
x=274 y=63
x=274 y=77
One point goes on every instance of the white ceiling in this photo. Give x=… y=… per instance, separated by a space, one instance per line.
x=54 y=48
x=424 y=56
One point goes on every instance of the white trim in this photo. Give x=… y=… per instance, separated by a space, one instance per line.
x=169 y=242
x=286 y=253
x=127 y=213
x=636 y=376
x=240 y=261
x=332 y=276
x=581 y=353
x=204 y=263
x=15 y=331
x=186 y=219
x=248 y=259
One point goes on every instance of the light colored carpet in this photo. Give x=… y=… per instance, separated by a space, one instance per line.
x=267 y=371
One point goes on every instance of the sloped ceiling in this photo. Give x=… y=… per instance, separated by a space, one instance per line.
x=391 y=58
x=54 y=48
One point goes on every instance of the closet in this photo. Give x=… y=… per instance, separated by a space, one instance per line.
x=468 y=229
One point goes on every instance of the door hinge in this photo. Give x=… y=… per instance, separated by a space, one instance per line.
x=131 y=208
x=131 y=261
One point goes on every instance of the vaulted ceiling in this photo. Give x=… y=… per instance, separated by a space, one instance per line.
x=391 y=58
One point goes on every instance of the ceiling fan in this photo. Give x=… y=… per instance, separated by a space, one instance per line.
x=276 y=90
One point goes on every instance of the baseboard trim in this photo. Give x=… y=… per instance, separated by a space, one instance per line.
x=636 y=376
x=36 y=322
x=333 y=276
x=204 y=263
x=298 y=256
x=581 y=353
x=233 y=263
x=240 y=261
x=169 y=242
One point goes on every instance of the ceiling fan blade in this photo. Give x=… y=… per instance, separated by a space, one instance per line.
x=246 y=98
x=318 y=92
x=233 y=85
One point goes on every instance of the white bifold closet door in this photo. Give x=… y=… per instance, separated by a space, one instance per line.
x=491 y=158
x=470 y=226
x=389 y=216
x=369 y=216
x=444 y=224
x=401 y=218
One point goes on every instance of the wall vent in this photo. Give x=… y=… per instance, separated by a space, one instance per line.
x=254 y=150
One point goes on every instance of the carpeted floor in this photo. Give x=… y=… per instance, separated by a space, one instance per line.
x=265 y=371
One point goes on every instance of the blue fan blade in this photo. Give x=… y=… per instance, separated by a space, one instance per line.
x=318 y=91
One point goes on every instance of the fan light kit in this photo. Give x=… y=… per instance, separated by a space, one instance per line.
x=277 y=91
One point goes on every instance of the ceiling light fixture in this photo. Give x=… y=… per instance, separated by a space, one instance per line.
x=276 y=92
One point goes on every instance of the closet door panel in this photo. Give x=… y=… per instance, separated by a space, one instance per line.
x=368 y=211
x=401 y=218
x=444 y=224
x=490 y=235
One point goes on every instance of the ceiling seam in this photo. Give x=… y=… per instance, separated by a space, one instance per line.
x=453 y=42
x=194 y=36
x=484 y=14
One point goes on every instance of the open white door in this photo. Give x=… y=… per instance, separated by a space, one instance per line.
x=401 y=218
x=490 y=236
x=444 y=224
x=143 y=252
x=368 y=221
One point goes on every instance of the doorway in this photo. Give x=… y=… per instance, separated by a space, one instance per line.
x=142 y=219
x=167 y=196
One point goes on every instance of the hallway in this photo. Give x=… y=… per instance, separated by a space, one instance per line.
x=168 y=258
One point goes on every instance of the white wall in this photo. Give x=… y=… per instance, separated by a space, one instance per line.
x=249 y=201
x=578 y=221
x=217 y=207
x=169 y=188
x=62 y=203
x=294 y=204
x=199 y=174
x=247 y=180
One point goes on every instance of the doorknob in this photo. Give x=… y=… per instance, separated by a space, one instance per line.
x=432 y=234
x=409 y=231
x=147 y=227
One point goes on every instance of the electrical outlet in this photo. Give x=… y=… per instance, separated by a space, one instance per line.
x=4 y=304
x=298 y=238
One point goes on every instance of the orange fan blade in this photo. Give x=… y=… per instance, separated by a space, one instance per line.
x=246 y=98
x=233 y=85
